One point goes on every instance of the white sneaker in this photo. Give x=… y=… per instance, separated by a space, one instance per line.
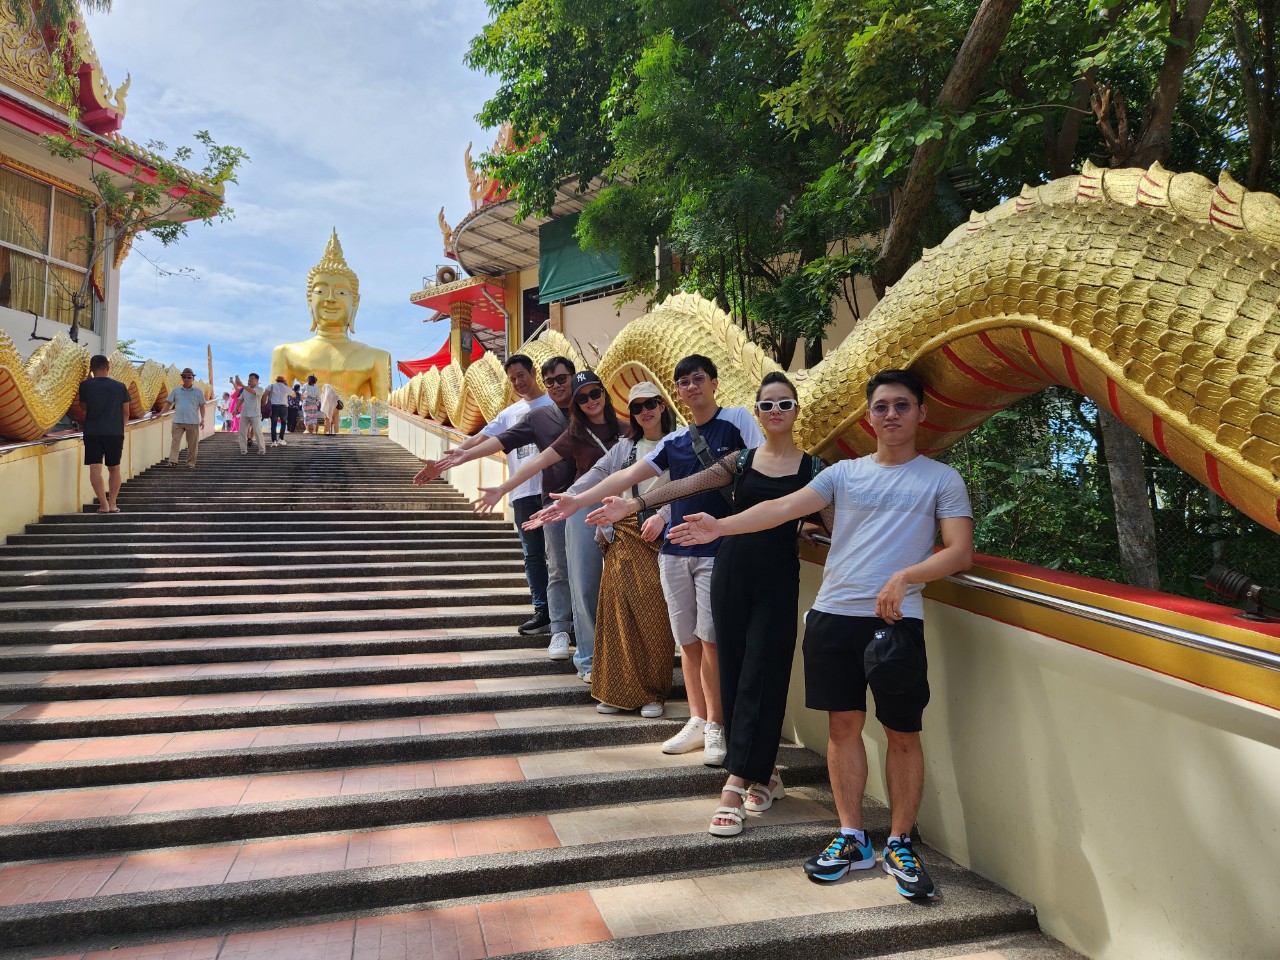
x=713 y=746
x=652 y=710
x=283 y=444
x=606 y=708
x=558 y=649
x=689 y=738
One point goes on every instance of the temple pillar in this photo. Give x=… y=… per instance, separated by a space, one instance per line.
x=460 y=333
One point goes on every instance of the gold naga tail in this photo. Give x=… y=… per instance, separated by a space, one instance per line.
x=35 y=395
x=1155 y=294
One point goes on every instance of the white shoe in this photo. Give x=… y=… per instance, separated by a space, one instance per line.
x=558 y=649
x=283 y=444
x=606 y=708
x=689 y=738
x=652 y=710
x=713 y=746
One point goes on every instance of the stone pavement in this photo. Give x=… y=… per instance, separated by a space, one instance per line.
x=277 y=707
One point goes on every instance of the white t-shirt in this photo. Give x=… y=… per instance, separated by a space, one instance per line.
x=886 y=519
x=503 y=422
x=279 y=393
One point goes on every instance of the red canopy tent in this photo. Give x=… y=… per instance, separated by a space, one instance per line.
x=441 y=358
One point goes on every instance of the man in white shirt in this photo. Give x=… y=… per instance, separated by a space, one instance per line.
x=278 y=393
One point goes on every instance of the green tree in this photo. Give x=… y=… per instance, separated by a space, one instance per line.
x=663 y=101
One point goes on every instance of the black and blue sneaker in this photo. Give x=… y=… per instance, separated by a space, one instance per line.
x=843 y=854
x=901 y=863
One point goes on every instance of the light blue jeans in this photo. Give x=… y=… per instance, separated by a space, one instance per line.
x=585 y=565
x=559 y=601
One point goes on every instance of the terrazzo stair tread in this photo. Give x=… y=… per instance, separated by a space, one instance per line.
x=115 y=653
x=321 y=514
x=165 y=745
x=296 y=570
x=1023 y=945
x=440 y=552
x=399 y=503
x=278 y=528
x=262 y=675
x=297 y=543
x=509 y=609
x=106 y=770
x=260 y=601
x=484 y=543
x=50 y=880
x=552 y=675
x=26 y=722
x=457 y=538
x=702 y=890
x=78 y=821
x=123 y=590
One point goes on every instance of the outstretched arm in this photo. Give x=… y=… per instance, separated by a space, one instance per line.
x=455 y=457
x=566 y=505
x=489 y=496
x=703 y=528
x=719 y=474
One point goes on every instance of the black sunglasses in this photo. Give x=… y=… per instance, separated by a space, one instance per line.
x=587 y=396
x=637 y=405
x=559 y=380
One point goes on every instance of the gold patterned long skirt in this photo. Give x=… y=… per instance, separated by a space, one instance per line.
x=634 y=647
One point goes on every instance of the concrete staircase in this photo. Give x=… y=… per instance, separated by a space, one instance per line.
x=277 y=707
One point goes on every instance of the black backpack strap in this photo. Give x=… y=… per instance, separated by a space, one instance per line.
x=703 y=453
x=740 y=467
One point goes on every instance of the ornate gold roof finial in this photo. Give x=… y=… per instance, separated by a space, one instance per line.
x=333 y=261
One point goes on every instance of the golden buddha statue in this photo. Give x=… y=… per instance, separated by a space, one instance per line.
x=349 y=366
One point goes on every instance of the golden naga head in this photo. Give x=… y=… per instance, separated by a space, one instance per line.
x=333 y=290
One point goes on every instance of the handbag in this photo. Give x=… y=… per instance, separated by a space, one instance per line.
x=893 y=661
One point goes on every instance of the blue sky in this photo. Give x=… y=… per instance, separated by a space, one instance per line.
x=355 y=115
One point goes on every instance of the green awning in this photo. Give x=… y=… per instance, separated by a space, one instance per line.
x=565 y=269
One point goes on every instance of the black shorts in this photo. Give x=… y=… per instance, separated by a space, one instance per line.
x=834 y=678
x=99 y=449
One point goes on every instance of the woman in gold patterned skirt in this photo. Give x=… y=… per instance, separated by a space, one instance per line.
x=634 y=654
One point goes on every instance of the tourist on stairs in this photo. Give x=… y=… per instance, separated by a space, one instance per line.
x=755 y=591
x=889 y=509
x=541 y=428
x=686 y=571
x=526 y=499
x=632 y=665
x=593 y=430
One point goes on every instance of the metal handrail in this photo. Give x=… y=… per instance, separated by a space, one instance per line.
x=1184 y=638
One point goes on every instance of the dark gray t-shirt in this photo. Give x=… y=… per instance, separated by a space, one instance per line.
x=103 y=400
x=542 y=427
x=886 y=519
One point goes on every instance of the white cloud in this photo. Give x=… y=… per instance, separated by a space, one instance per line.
x=354 y=116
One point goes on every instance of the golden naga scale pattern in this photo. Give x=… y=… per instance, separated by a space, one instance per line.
x=35 y=395
x=1155 y=294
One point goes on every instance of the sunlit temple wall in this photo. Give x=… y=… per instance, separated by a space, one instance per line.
x=1137 y=810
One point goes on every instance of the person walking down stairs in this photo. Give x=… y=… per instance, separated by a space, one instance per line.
x=188 y=403
x=251 y=414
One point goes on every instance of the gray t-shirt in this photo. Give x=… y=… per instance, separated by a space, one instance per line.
x=186 y=404
x=886 y=519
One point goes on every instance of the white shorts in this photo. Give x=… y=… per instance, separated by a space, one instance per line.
x=686 y=583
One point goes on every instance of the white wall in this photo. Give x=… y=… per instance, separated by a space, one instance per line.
x=1139 y=812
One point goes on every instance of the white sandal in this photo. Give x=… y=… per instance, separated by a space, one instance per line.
x=728 y=813
x=760 y=798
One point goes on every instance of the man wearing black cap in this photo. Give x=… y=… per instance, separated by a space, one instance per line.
x=188 y=402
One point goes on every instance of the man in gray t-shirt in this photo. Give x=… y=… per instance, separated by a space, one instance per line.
x=889 y=510
x=187 y=402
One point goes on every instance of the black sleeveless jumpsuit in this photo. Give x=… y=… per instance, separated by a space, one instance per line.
x=755 y=592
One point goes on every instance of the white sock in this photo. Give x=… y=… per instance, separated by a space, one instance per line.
x=860 y=836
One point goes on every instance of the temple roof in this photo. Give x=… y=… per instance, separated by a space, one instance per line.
x=489 y=240
x=29 y=66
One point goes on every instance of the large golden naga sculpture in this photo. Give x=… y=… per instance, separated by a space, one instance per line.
x=1155 y=294
x=349 y=366
x=34 y=395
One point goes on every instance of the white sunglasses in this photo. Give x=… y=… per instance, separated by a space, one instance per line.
x=767 y=406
